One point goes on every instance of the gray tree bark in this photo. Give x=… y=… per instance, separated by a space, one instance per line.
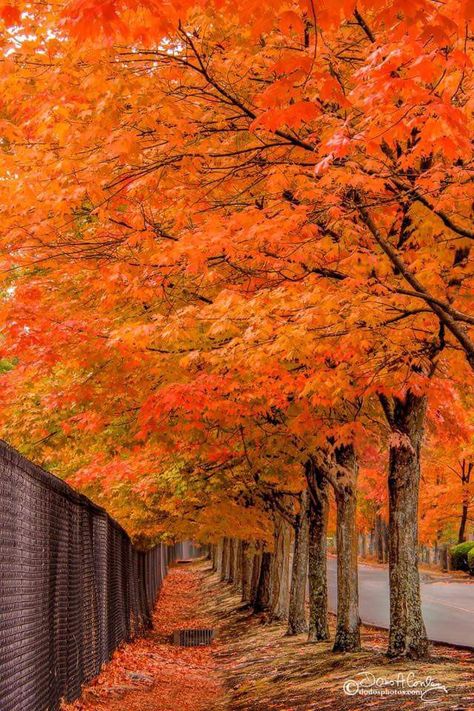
x=299 y=575
x=219 y=555
x=407 y=630
x=466 y=470
x=263 y=591
x=280 y=574
x=246 y=567
x=225 y=559
x=238 y=565
x=379 y=538
x=317 y=552
x=231 y=574
x=255 y=577
x=347 y=637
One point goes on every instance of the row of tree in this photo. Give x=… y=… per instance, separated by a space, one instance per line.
x=238 y=277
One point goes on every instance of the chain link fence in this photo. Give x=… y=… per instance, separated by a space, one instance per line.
x=72 y=586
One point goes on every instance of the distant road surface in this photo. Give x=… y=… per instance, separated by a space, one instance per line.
x=448 y=607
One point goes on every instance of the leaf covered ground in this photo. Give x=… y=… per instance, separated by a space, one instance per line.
x=253 y=666
x=151 y=674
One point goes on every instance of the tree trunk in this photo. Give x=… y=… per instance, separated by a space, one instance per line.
x=255 y=578
x=386 y=542
x=219 y=554
x=232 y=547
x=280 y=575
x=372 y=543
x=466 y=471
x=348 y=623
x=445 y=558
x=238 y=565
x=263 y=591
x=317 y=553
x=225 y=558
x=407 y=630
x=381 y=531
x=462 y=525
x=299 y=574
x=379 y=538
x=246 y=567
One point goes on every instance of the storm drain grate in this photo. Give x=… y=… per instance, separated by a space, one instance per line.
x=193 y=638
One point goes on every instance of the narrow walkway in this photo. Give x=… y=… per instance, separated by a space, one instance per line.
x=151 y=674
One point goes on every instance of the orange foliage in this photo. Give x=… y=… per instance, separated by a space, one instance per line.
x=230 y=227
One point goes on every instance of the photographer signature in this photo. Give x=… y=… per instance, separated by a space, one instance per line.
x=404 y=684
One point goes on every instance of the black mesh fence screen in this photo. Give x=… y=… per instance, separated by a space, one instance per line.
x=72 y=586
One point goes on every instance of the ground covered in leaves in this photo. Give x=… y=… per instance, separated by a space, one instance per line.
x=252 y=666
x=151 y=674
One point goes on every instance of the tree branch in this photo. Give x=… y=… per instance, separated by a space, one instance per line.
x=364 y=25
x=445 y=219
x=444 y=316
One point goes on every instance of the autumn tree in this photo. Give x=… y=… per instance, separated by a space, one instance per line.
x=256 y=220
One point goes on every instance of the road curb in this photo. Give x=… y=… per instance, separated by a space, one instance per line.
x=436 y=642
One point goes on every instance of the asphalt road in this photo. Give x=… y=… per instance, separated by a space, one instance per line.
x=448 y=607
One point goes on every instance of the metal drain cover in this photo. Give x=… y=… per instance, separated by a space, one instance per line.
x=193 y=638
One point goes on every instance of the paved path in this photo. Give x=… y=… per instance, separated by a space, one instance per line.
x=448 y=607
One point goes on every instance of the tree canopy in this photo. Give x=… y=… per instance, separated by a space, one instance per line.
x=233 y=236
